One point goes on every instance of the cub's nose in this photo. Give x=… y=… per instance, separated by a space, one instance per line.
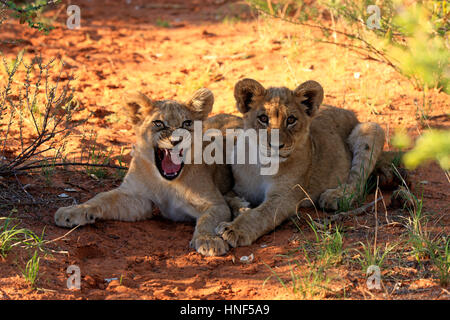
x=174 y=141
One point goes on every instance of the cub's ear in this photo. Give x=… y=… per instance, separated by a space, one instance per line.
x=311 y=96
x=201 y=102
x=138 y=106
x=245 y=91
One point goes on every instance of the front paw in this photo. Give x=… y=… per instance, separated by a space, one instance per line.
x=391 y=178
x=208 y=245
x=231 y=234
x=75 y=216
x=335 y=199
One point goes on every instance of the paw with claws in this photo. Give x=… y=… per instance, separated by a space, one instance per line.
x=209 y=245
x=75 y=216
x=330 y=200
x=231 y=234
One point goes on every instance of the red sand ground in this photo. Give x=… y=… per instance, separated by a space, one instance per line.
x=211 y=44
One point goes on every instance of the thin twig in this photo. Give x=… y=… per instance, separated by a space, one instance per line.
x=61 y=237
x=341 y=215
x=370 y=47
x=72 y=164
x=376 y=221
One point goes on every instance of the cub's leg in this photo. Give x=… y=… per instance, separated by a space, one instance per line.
x=116 y=204
x=254 y=223
x=237 y=204
x=205 y=239
x=389 y=171
x=366 y=142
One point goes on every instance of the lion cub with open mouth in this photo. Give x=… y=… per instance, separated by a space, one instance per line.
x=181 y=191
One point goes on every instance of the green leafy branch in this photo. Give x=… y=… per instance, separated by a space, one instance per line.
x=28 y=13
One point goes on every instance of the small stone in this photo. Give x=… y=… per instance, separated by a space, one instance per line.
x=247 y=259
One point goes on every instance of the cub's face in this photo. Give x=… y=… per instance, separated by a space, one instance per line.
x=156 y=122
x=290 y=112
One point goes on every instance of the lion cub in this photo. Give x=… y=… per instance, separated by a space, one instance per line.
x=323 y=155
x=181 y=191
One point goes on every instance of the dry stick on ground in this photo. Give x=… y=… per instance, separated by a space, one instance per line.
x=55 y=240
x=112 y=166
x=355 y=212
x=376 y=222
x=61 y=237
x=447 y=175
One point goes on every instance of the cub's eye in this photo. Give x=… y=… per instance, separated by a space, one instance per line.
x=158 y=124
x=291 y=120
x=263 y=119
x=187 y=123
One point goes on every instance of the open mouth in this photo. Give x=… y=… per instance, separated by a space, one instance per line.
x=168 y=166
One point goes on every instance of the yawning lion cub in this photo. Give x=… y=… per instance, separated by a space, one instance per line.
x=181 y=191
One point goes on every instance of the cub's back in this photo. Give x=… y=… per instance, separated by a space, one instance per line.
x=223 y=121
x=332 y=157
x=334 y=120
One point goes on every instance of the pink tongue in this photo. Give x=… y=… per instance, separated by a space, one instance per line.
x=167 y=165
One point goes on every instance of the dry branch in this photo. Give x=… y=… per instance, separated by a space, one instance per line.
x=39 y=106
x=355 y=212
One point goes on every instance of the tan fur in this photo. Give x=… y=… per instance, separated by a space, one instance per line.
x=324 y=153
x=195 y=194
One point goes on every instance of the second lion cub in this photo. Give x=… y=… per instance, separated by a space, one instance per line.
x=324 y=154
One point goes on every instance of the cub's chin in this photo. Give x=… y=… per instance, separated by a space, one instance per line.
x=168 y=163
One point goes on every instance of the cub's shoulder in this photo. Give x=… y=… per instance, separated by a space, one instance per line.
x=222 y=122
x=334 y=120
x=337 y=114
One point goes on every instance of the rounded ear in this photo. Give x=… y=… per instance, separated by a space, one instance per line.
x=138 y=106
x=244 y=92
x=311 y=95
x=201 y=102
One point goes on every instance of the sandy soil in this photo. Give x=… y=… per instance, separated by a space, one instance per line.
x=122 y=47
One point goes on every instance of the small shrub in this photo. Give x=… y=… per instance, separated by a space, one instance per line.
x=433 y=144
x=424 y=245
x=12 y=236
x=372 y=255
x=31 y=271
x=162 y=23
x=328 y=245
x=36 y=115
